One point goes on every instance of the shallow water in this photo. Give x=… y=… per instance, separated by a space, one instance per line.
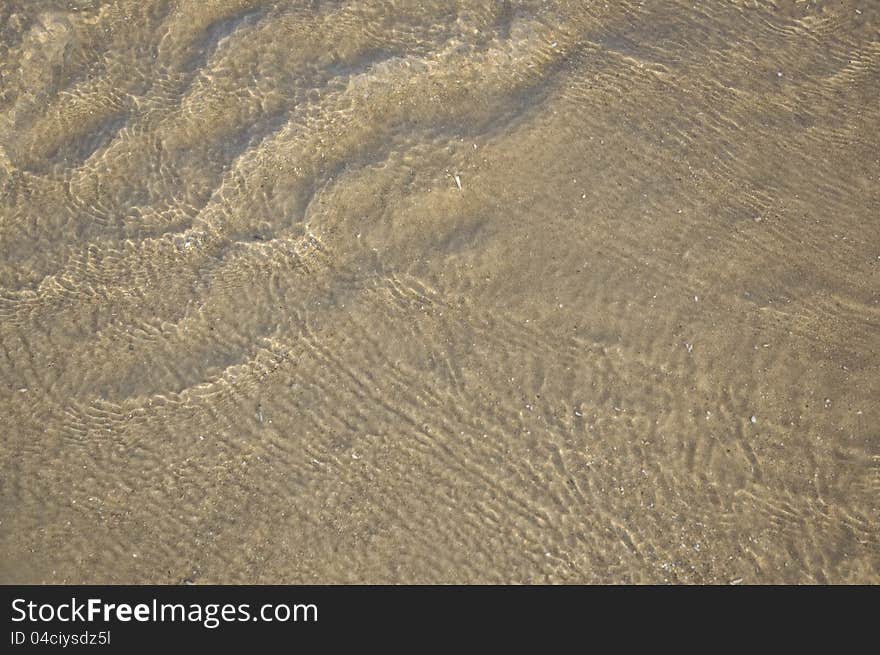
x=439 y=291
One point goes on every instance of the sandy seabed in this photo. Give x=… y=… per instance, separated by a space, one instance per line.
x=541 y=292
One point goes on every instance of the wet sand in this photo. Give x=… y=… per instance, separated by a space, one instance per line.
x=474 y=292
